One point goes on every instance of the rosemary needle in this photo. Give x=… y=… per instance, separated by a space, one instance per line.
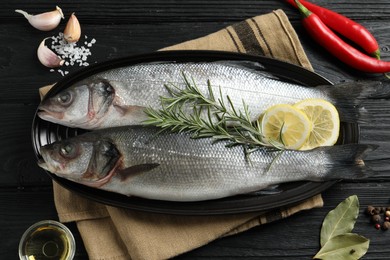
x=210 y=117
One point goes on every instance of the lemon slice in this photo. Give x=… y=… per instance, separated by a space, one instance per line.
x=325 y=120
x=286 y=125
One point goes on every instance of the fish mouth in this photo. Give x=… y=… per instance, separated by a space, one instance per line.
x=47 y=114
x=43 y=164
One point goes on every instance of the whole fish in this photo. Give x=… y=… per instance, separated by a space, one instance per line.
x=140 y=161
x=119 y=96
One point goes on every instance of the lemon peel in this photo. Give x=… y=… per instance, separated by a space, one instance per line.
x=325 y=120
x=285 y=125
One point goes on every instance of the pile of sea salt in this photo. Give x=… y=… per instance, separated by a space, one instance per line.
x=74 y=54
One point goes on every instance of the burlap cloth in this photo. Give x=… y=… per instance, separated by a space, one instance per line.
x=115 y=233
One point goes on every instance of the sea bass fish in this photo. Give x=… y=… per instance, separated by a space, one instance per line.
x=143 y=162
x=119 y=96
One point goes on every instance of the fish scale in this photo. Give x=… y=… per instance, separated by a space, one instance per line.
x=138 y=161
x=238 y=82
x=142 y=86
x=175 y=167
x=119 y=96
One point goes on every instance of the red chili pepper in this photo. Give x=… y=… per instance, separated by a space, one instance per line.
x=344 y=26
x=339 y=48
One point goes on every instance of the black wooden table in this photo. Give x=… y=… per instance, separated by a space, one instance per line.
x=123 y=28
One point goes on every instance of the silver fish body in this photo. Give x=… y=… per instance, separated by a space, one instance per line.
x=119 y=96
x=136 y=161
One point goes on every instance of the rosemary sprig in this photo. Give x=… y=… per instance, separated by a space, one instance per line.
x=210 y=117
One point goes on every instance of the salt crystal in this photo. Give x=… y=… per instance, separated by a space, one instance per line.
x=72 y=53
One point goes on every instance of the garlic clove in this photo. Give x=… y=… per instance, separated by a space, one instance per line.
x=72 y=30
x=47 y=57
x=44 y=21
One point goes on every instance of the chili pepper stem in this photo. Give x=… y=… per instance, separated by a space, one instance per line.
x=376 y=54
x=302 y=9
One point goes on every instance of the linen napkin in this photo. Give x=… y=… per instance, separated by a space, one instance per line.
x=116 y=233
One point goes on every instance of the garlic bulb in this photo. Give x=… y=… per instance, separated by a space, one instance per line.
x=47 y=57
x=72 y=30
x=44 y=21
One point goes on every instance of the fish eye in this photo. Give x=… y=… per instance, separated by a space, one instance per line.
x=65 y=98
x=68 y=150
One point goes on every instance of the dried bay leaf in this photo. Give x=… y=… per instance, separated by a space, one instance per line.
x=341 y=220
x=347 y=246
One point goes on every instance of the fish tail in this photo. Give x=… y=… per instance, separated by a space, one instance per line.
x=358 y=102
x=347 y=161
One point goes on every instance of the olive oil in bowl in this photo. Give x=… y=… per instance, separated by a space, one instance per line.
x=47 y=240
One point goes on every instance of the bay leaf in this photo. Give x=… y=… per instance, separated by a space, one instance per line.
x=347 y=246
x=340 y=220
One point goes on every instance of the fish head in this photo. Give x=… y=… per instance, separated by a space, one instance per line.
x=90 y=162
x=82 y=105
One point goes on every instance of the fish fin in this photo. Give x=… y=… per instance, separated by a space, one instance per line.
x=358 y=101
x=271 y=190
x=126 y=173
x=255 y=67
x=347 y=161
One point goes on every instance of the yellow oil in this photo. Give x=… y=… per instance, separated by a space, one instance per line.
x=47 y=243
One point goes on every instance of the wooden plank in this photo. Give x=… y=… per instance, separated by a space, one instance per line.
x=121 y=11
x=258 y=242
x=128 y=27
x=280 y=240
x=19 y=209
x=22 y=74
x=18 y=166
